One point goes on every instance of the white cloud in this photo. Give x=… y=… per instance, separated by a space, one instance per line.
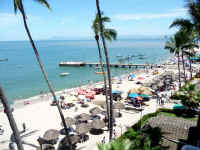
x=179 y=12
x=8 y=19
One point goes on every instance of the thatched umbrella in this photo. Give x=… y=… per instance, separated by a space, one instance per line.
x=98 y=124
x=51 y=134
x=96 y=110
x=69 y=121
x=133 y=90
x=74 y=139
x=118 y=106
x=83 y=128
x=83 y=117
x=145 y=90
x=46 y=147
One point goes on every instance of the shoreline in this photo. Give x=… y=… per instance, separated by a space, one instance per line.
x=20 y=103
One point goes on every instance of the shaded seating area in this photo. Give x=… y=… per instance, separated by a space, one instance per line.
x=49 y=139
x=173 y=128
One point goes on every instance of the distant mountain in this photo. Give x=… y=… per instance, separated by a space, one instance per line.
x=122 y=37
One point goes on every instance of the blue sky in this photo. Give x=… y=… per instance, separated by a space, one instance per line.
x=72 y=19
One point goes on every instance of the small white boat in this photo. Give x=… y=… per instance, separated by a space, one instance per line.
x=64 y=74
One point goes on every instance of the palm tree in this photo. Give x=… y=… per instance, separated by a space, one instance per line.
x=192 y=37
x=101 y=26
x=18 y=5
x=109 y=34
x=190 y=53
x=173 y=46
x=192 y=24
x=11 y=119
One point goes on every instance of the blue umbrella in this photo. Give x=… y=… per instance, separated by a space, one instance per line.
x=57 y=97
x=132 y=75
x=133 y=95
x=116 y=92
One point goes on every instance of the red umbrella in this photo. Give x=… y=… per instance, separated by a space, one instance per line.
x=140 y=78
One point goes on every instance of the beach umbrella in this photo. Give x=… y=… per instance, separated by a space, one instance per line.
x=57 y=97
x=144 y=96
x=51 y=134
x=74 y=139
x=81 y=97
x=83 y=117
x=132 y=95
x=96 y=110
x=139 y=98
x=140 y=78
x=83 y=128
x=118 y=106
x=116 y=92
x=98 y=124
x=133 y=90
x=154 y=87
x=99 y=86
x=69 y=121
x=147 y=92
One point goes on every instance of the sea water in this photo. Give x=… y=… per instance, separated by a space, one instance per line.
x=21 y=76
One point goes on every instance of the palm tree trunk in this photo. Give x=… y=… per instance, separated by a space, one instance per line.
x=45 y=76
x=179 y=72
x=104 y=77
x=183 y=67
x=11 y=120
x=108 y=69
x=190 y=69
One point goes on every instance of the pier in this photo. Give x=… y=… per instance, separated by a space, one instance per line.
x=93 y=64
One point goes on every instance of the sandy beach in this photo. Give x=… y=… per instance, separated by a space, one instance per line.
x=39 y=116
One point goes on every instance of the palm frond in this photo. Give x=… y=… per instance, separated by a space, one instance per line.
x=44 y=2
x=95 y=24
x=110 y=34
x=170 y=45
x=18 y=5
x=184 y=24
x=190 y=46
x=194 y=12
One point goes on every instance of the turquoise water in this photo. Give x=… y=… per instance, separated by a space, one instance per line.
x=21 y=77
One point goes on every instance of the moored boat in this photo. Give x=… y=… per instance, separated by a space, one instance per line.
x=64 y=74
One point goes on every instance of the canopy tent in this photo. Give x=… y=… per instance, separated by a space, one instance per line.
x=178 y=106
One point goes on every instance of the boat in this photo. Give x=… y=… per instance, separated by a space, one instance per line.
x=64 y=74
x=99 y=72
x=6 y=59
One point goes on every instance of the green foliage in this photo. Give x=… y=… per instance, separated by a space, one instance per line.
x=116 y=144
x=109 y=34
x=146 y=138
x=189 y=97
x=18 y=5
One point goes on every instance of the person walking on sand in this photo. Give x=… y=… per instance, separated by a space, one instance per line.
x=114 y=132
x=76 y=109
x=104 y=140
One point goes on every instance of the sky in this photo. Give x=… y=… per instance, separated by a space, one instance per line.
x=72 y=19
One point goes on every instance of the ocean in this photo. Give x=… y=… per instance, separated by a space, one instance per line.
x=21 y=76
